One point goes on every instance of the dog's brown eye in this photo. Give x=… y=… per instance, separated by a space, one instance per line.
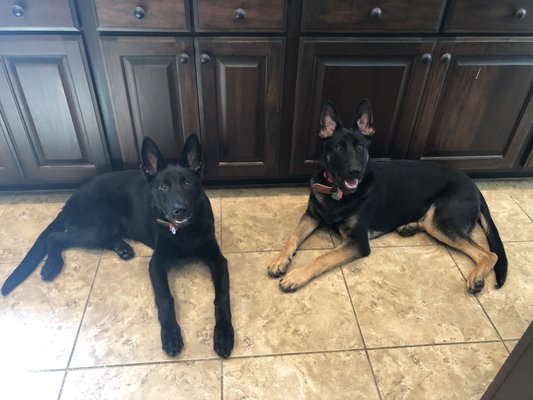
x=163 y=187
x=187 y=184
x=359 y=147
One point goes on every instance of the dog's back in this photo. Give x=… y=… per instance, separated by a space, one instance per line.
x=405 y=190
x=119 y=202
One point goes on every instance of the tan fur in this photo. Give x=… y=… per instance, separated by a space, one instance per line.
x=305 y=227
x=484 y=259
x=297 y=278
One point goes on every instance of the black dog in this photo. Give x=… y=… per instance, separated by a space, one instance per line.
x=163 y=207
x=363 y=199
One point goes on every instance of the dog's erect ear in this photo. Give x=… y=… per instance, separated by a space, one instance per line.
x=152 y=160
x=363 y=118
x=329 y=121
x=191 y=156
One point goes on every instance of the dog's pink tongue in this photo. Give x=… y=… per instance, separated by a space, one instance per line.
x=351 y=183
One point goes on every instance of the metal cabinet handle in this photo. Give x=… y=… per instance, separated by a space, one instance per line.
x=446 y=58
x=184 y=58
x=376 y=13
x=139 y=12
x=17 y=10
x=239 y=14
x=521 y=14
x=426 y=58
x=205 y=58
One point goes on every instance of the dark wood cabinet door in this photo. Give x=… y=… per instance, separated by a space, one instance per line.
x=478 y=110
x=240 y=86
x=9 y=172
x=390 y=73
x=49 y=110
x=153 y=89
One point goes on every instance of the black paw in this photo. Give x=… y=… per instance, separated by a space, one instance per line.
x=124 y=251
x=171 y=340
x=223 y=339
x=51 y=269
x=478 y=286
x=407 y=231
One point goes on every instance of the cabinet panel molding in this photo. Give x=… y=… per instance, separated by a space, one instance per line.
x=241 y=97
x=153 y=93
x=49 y=108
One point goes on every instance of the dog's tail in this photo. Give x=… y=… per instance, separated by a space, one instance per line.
x=495 y=243
x=33 y=258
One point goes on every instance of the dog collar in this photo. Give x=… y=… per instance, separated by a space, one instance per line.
x=171 y=227
x=336 y=192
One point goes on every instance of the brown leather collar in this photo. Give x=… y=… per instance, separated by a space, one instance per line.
x=336 y=192
x=171 y=227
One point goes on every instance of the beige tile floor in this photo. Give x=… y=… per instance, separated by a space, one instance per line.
x=396 y=325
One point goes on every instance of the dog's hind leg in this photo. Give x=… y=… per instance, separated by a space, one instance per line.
x=452 y=231
x=409 y=229
x=305 y=227
x=59 y=241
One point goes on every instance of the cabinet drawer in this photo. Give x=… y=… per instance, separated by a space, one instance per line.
x=142 y=15
x=240 y=15
x=371 y=15
x=490 y=16
x=35 y=15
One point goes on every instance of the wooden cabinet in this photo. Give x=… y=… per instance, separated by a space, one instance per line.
x=153 y=88
x=372 y=16
x=478 y=111
x=146 y=15
x=449 y=80
x=240 y=84
x=495 y=16
x=37 y=15
x=228 y=90
x=49 y=118
x=9 y=169
x=390 y=72
x=239 y=15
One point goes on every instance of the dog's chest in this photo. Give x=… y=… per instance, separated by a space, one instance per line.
x=333 y=212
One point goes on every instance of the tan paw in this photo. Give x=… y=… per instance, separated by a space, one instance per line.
x=475 y=283
x=278 y=267
x=293 y=281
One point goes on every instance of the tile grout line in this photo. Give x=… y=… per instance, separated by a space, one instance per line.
x=478 y=301
x=362 y=336
x=245 y=357
x=221 y=379
x=79 y=327
x=520 y=207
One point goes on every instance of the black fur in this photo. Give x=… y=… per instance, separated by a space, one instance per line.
x=126 y=204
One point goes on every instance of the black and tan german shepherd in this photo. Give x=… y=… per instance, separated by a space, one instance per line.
x=364 y=199
x=164 y=207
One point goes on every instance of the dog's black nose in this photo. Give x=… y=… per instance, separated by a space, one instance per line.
x=354 y=173
x=179 y=210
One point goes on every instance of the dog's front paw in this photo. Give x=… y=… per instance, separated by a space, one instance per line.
x=293 y=281
x=124 y=251
x=223 y=338
x=171 y=339
x=278 y=267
